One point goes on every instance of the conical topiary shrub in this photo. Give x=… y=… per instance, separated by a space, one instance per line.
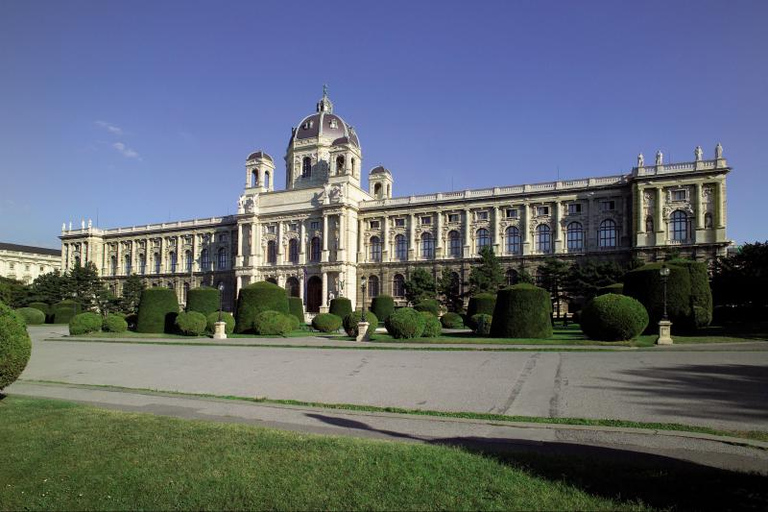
x=204 y=300
x=340 y=306
x=158 y=308
x=382 y=306
x=522 y=311
x=256 y=298
x=482 y=303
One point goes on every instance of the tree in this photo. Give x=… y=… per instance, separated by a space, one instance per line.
x=84 y=284
x=132 y=288
x=14 y=293
x=587 y=276
x=449 y=288
x=106 y=301
x=50 y=288
x=421 y=285
x=488 y=276
x=741 y=279
x=554 y=276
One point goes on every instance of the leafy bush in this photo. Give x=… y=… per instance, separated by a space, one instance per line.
x=340 y=306
x=482 y=323
x=158 y=308
x=45 y=308
x=428 y=305
x=382 y=306
x=227 y=318
x=257 y=298
x=326 y=322
x=84 y=323
x=114 y=323
x=481 y=303
x=64 y=311
x=15 y=346
x=272 y=323
x=31 y=316
x=191 y=323
x=617 y=288
x=432 y=325
x=522 y=311
x=296 y=308
x=352 y=319
x=452 y=321
x=294 y=322
x=204 y=300
x=405 y=323
x=613 y=317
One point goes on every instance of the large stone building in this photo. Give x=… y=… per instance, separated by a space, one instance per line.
x=25 y=263
x=325 y=232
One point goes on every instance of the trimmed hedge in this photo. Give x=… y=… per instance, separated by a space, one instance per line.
x=191 y=323
x=340 y=306
x=452 y=321
x=15 y=346
x=382 y=306
x=31 y=316
x=522 y=311
x=327 y=322
x=158 y=308
x=204 y=300
x=84 y=323
x=227 y=318
x=617 y=288
x=613 y=317
x=482 y=323
x=405 y=323
x=272 y=323
x=64 y=311
x=689 y=298
x=114 y=323
x=45 y=308
x=352 y=319
x=296 y=308
x=432 y=325
x=428 y=305
x=481 y=303
x=257 y=298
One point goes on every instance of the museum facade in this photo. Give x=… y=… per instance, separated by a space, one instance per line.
x=324 y=234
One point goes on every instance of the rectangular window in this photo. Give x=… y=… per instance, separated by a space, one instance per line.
x=399 y=222
x=294 y=227
x=375 y=224
x=574 y=208
x=607 y=206
x=678 y=195
x=511 y=213
x=542 y=210
x=426 y=220
x=453 y=217
x=482 y=215
x=315 y=224
x=271 y=229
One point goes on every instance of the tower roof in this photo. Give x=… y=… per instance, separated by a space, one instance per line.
x=324 y=123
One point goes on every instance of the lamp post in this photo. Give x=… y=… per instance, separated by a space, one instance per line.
x=220 y=328
x=664 y=272
x=362 y=325
x=363 y=283
x=221 y=299
x=665 y=326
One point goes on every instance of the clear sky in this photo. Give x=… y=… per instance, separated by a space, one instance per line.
x=144 y=111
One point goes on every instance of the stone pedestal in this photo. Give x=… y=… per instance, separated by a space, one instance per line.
x=362 y=331
x=665 y=333
x=220 y=330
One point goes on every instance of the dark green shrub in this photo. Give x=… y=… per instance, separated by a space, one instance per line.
x=352 y=319
x=256 y=298
x=45 y=308
x=114 y=323
x=428 y=305
x=432 y=325
x=294 y=322
x=452 y=321
x=382 y=306
x=191 y=323
x=296 y=308
x=482 y=323
x=327 y=322
x=15 y=346
x=522 y=311
x=701 y=293
x=613 y=317
x=32 y=316
x=272 y=323
x=481 y=303
x=227 y=318
x=158 y=308
x=340 y=306
x=84 y=323
x=617 y=288
x=133 y=320
x=405 y=323
x=64 y=311
x=204 y=300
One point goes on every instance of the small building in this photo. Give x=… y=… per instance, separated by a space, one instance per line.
x=25 y=263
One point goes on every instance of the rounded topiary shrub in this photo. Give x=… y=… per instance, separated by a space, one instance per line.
x=382 y=306
x=613 y=317
x=272 y=323
x=294 y=322
x=482 y=323
x=257 y=298
x=84 y=323
x=191 y=323
x=405 y=323
x=158 y=308
x=326 y=322
x=45 y=308
x=432 y=325
x=204 y=300
x=64 y=311
x=340 y=306
x=452 y=321
x=522 y=311
x=429 y=306
x=352 y=319
x=31 y=316
x=227 y=318
x=617 y=288
x=15 y=346
x=114 y=323
x=481 y=303
x=296 y=308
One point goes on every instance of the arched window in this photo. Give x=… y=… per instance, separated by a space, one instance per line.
x=292 y=287
x=271 y=252
x=398 y=285
x=188 y=261
x=454 y=244
x=340 y=164
x=543 y=239
x=708 y=220
x=375 y=248
x=221 y=259
x=314 y=249
x=128 y=264
x=293 y=251
x=113 y=265
x=373 y=286
x=266 y=180
x=354 y=170
x=607 y=234
x=574 y=235
x=427 y=246
x=306 y=167
x=649 y=224
x=401 y=248
x=513 y=240
x=377 y=191
x=255 y=178
x=142 y=264
x=679 y=226
x=157 y=263
x=205 y=260
x=172 y=257
x=512 y=277
x=483 y=239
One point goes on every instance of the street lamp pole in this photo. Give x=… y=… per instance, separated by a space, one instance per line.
x=363 y=282
x=665 y=326
x=221 y=299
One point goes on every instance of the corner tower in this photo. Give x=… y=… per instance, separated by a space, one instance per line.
x=259 y=172
x=380 y=183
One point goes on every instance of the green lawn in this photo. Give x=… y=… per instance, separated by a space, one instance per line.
x=59 y=455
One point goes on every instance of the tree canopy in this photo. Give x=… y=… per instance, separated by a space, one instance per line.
x=488 y=276
x=420 y=285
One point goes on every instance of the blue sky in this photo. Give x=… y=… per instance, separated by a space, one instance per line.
x=145 y=111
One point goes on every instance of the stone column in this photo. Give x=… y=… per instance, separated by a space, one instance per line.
x=302 y=242
x=301 y=286
x=385 y=242
x=467 y=228
x=239 y=285
x=360 y=248
x=698 y=207
x=525 y=236
x=324 y=295
x=661 y=224
x=162 y=254
x=495 y=231
x=341 y=250
x=118 y=259
x=279 y=244
x=557 y=229
x=439 y=235
x=592 y=223
x=240 y=234
x=639 y=220
x=194 y=257
x=325 y=237
x=411 y=237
